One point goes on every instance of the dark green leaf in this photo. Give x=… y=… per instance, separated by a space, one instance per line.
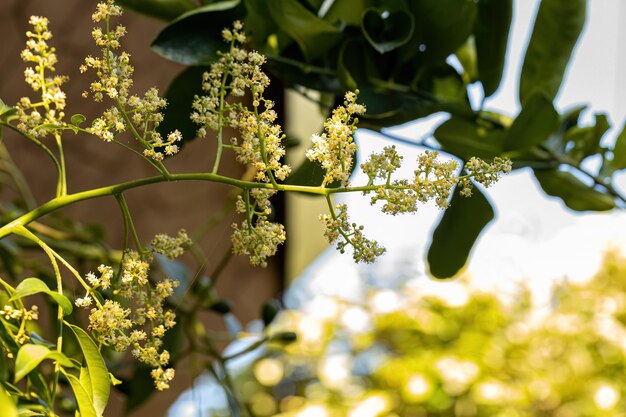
x=575 y=194
x=535 y=123
x=195 y=37
x=162 y=9
x=456 y=233
x=442 y=25
x=29 y=356
x=582 y=142
x=77 y=119
x=179 y=96
x=269 y=311
x=386 y=30
x=491 y=33
x=557 y=28
x=313 y=35
x=259 y=23
x=619 y=151
x=100 y=388
x=466 y=139
x=31 y=286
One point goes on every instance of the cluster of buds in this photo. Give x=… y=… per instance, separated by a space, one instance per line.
x=49 y=109
x=339 y=230
x=142 y=321
x=171 y=246
x=257 y=237
x=141 y=115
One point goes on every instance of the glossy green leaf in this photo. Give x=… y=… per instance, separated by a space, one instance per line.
x=619 y=151
x=180 y=95
x=162 y=9
x=313 y=35
x=195 y=37
x=465 y=139
x=30 y=356
x=442 y=26
x=535 y=123
x=458 y=229
x=575 y=194
x=77 y=119
x=347 y=12
x=7 y=406
x=557 y=28
x=31 y=286
x=258 y=21
x=491 y=33
x=385 y=30
x=85 y=406
x=100 y=388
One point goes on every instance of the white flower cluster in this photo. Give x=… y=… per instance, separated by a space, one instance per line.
x=141 y=115
x=238 y=71
x=257 y=237
x=335 y=148
x=48 y=110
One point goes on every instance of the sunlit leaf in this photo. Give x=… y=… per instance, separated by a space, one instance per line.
x=98 y=374
x=31 y=286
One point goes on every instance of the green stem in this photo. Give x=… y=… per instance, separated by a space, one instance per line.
x=68 y=199
x=128 y=222
x=62 y=180
x=37 y=142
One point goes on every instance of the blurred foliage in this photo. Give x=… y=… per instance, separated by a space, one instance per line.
x=449 y=350
x=412 y=59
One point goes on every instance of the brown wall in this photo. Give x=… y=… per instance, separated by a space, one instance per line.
x=91 y=163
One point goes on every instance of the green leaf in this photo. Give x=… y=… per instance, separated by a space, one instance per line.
x=77 y=119
x=30 y=356
x=557 y=28
x=582 y=142
x=457 y=231
x=575 y=194
x=534 y=125
x=85 y=406
x=466 y=139
x=386 y=30
x=162 y=9
x=5 y=110
x=313 y=35
x=179 y=96
x=491 y=33
x=100 y=388
x=32 y=286
x=348 y=12
x=195 y=37
x=8 y=407
x=619 y=151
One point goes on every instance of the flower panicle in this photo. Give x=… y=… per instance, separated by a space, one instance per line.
x=49 y=109
x=137 y=318
x=141 y=115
